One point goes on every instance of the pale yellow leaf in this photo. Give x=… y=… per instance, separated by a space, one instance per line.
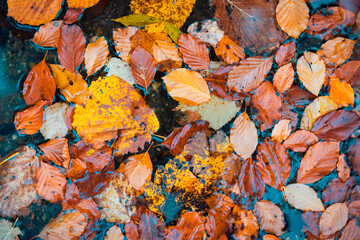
x=333 y=219
x=302 y=197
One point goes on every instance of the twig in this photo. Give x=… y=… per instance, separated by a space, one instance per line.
x=13 y=226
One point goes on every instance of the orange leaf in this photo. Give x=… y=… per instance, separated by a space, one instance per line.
x=57 y=150
x=318 y=161
x=281 y=130
x=77 y=91
x=341 y=92
x=271 y=218
x=190 y=226
x=229 y=51
x=33 y=12
x=138 y=169
x=50 y=183
x=48 y=34
x=187 y=86
x=270 y=237
x=285 y=53
x=250 y=182
x=249 y=74
x=333 y=219
x=39 y=84
x=122 y=41
x=29 y=121
x=142 y=67
x=81 y=3
x=89 y=209
x=298 y=97
x=77 y=169
x=336 y=51
x=300 y=140
x=96 y=54
x=194 y=52
x=114 y=232
x=284 y=78
x=353 y=155
x=71 y=47
x=349 y=72
x=245 y=224
x=343 y=168
x=72 y=15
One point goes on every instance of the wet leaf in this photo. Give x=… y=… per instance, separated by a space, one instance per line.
x=284 y=78
x=249 y=74
x=343 y=168
x=17 y=182
x=300 y=140
x=250 y=181
x=292 y=16
x=48 y=34
x=207 y=31
x=119 y=68
x=298 y=97
x=54 y=121
x=9 y=231
x=341 y=92
x=228 y=51
x=271 y=218
x=311 y=71
x=137 y=20
x=122 y=41
x=270 y=237
x=273 y=163
x=142 y=67
x=245 y=224
x=81 y=3
x=267 y=106
x=189 y=226
x=194 y=53
x=243 y=136
x=336 y=126
x=72 y=15
x=71 y=47
x=354 y=209
x=50 y=183
x=187 y=86
x=337 y=191
x=66 y=226
x=336 y=51
x=57 y=150
x=33 y=12
x=353 y=155
x=77 y=91
x=96 y=54
x=114 y=233
x=89 y=209
x=302 y=197
x=349 y=72
x=77 y=169
x=281 y=130
x=351 y=230
x=333 y=218
x=285 y=53
x=319 y=160
x=311 y=223
x=30 y=120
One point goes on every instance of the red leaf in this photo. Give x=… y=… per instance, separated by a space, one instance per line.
x=194 y=52
x=39 y=84
x=300 y=140
x=318 y=161
x=71 y=47
x=267 y=105
x=57 y=150
x=298 y=97
x=349 y=72
x=48 y=34
x=29 y=121
x=142 y=67
x=250 y=181
x=190 y=226
x=353 y=155
x=89 y=209
x=285 y=53
x=273 y=163
x=72 y=15
x=336 y=191
x=336 y=125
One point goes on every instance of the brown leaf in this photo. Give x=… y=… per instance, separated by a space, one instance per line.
x=50 y=183
x=96 y=54
x=89 y=209
x=353 y=155
x=343 y=168
x=281 y=130
x=273 y=163
x=271 y=218
x=71 y=47
x=48 y=34
x=57 y=150
x=284 y=78
x=354 y=209
x=341 y=92
x=351 y=230
x=249 y=74
x=228 y=51
x=122 y=41
x=333 y=219
x=30 y=121
x=220 y=143
x=285 y=53
x=207 y=31
x=142 y=67
x=319 y=160
x=250 y=181
x=194 y=52
x=336 y=51
x=267 y=106
x=300 y=140
x=349 y=72
x=72 y=15
x=311 y=224
x=336 y=126
x=77 y=169
x=337 y=191
x=298 y=97
x=189 y=226
x=114 y=232
x=245 y=224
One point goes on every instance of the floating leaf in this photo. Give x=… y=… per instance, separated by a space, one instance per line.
x=250 y=181
x=142 y=67
x=30 y=121
x=228 y=51
x=54 y=124
x=302 y=197
x=207 y=31
x=311 y=71
x=285 y=53
x=349 y=72
x=249 y=74
x=243 y=136
x=284 y=78
x=281 y=130
x=300 y=140
x=57 y=150
x=81 y=3
x=292 y=16
x=187 y=86
x=194 y=53
x=271 y=218
x=319 y=160
x=72 y=15
x=122 y=41
x=119 y=68
x=341 y=92
x=333 y=218
x=96 y=54
x=9 y=231
x=336 y=51
x=48 y=34
x=190 y=226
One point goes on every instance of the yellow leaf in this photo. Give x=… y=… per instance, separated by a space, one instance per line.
x=341 y=92
x=137 y=20
x=173 y=31
x=158 y=27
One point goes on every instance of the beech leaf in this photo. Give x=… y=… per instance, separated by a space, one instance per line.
x=229 y=51
x=283 y=78
x=250 y=181
x=194 y=53
x=300 y=140
x=81 y=3
x=142 y=67
x=281 y=130
x=54 y=124
x=122 y=41
x=48 y=34
x=302 y=197
x=57 y=150
x=349 y=72
x=333 y=219
x=96 y=54
x=341 y=92
x=351 y=230
x=271 y=218
x=285 y=53
x=30 y=120
x=190 y=226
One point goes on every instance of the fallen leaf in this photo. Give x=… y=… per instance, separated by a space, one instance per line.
x=283 y=78
x=349 y=72
x=300 y=140
x=96 y=54
x=271 y=218
x=249 y=74
x=66 y=226
x=243 y=136
x=77 y=169
x=71 y=47
x=77 y=91
x=343 y=168
x=72 y=15
x=189 y=226
x=298 y=97
x=351 y=230
x=54 y=121
x=89 y=209
x=267 y=106
x=336 y=51
x=311 y=72
x=187 y=86
x=354 y=209
x=319 y=160
x=336 y=125
x=245 y=224
x=250 y=181
x=228 y=51
x=9 y=231
x=30 y=120
x=119 y=68
x=142 y=67
x=270 y=237
x=207 y=31
x=281 y=130
x=81 y=3
x=337 y=191
x=194 y=53
x=285 y=53
x=273 y=162
x=292 y=16
x=114 y=233
x=311 y=223
x=122 y=41
x=341 y=92
x=333 y=219
x=57 y=150
x=302 y=197
x=353 y=155
x=48 y=34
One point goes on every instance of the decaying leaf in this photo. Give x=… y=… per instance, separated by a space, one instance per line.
x=285 y=53
x=190 y=226
x=292 y=16
x=336 y=51
x=54 y=121
x=281 y=130
x=116 y=66
x=300 y=140
x=229 y=51
x=72 y=15
x=302 y=197
x=245 y=224
x=270 y=216
x=194 y=53
x=142 y=67
x=96 y=54
x=48 y=34
x=57 y=150
x=250 y=181
x=284 y=78
x=243 y=136
x=122 y=41
x=333 y=218
x=30 y=120
x=8 y=231
x=337 y=191
x=207 y=31
x=341 y=92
